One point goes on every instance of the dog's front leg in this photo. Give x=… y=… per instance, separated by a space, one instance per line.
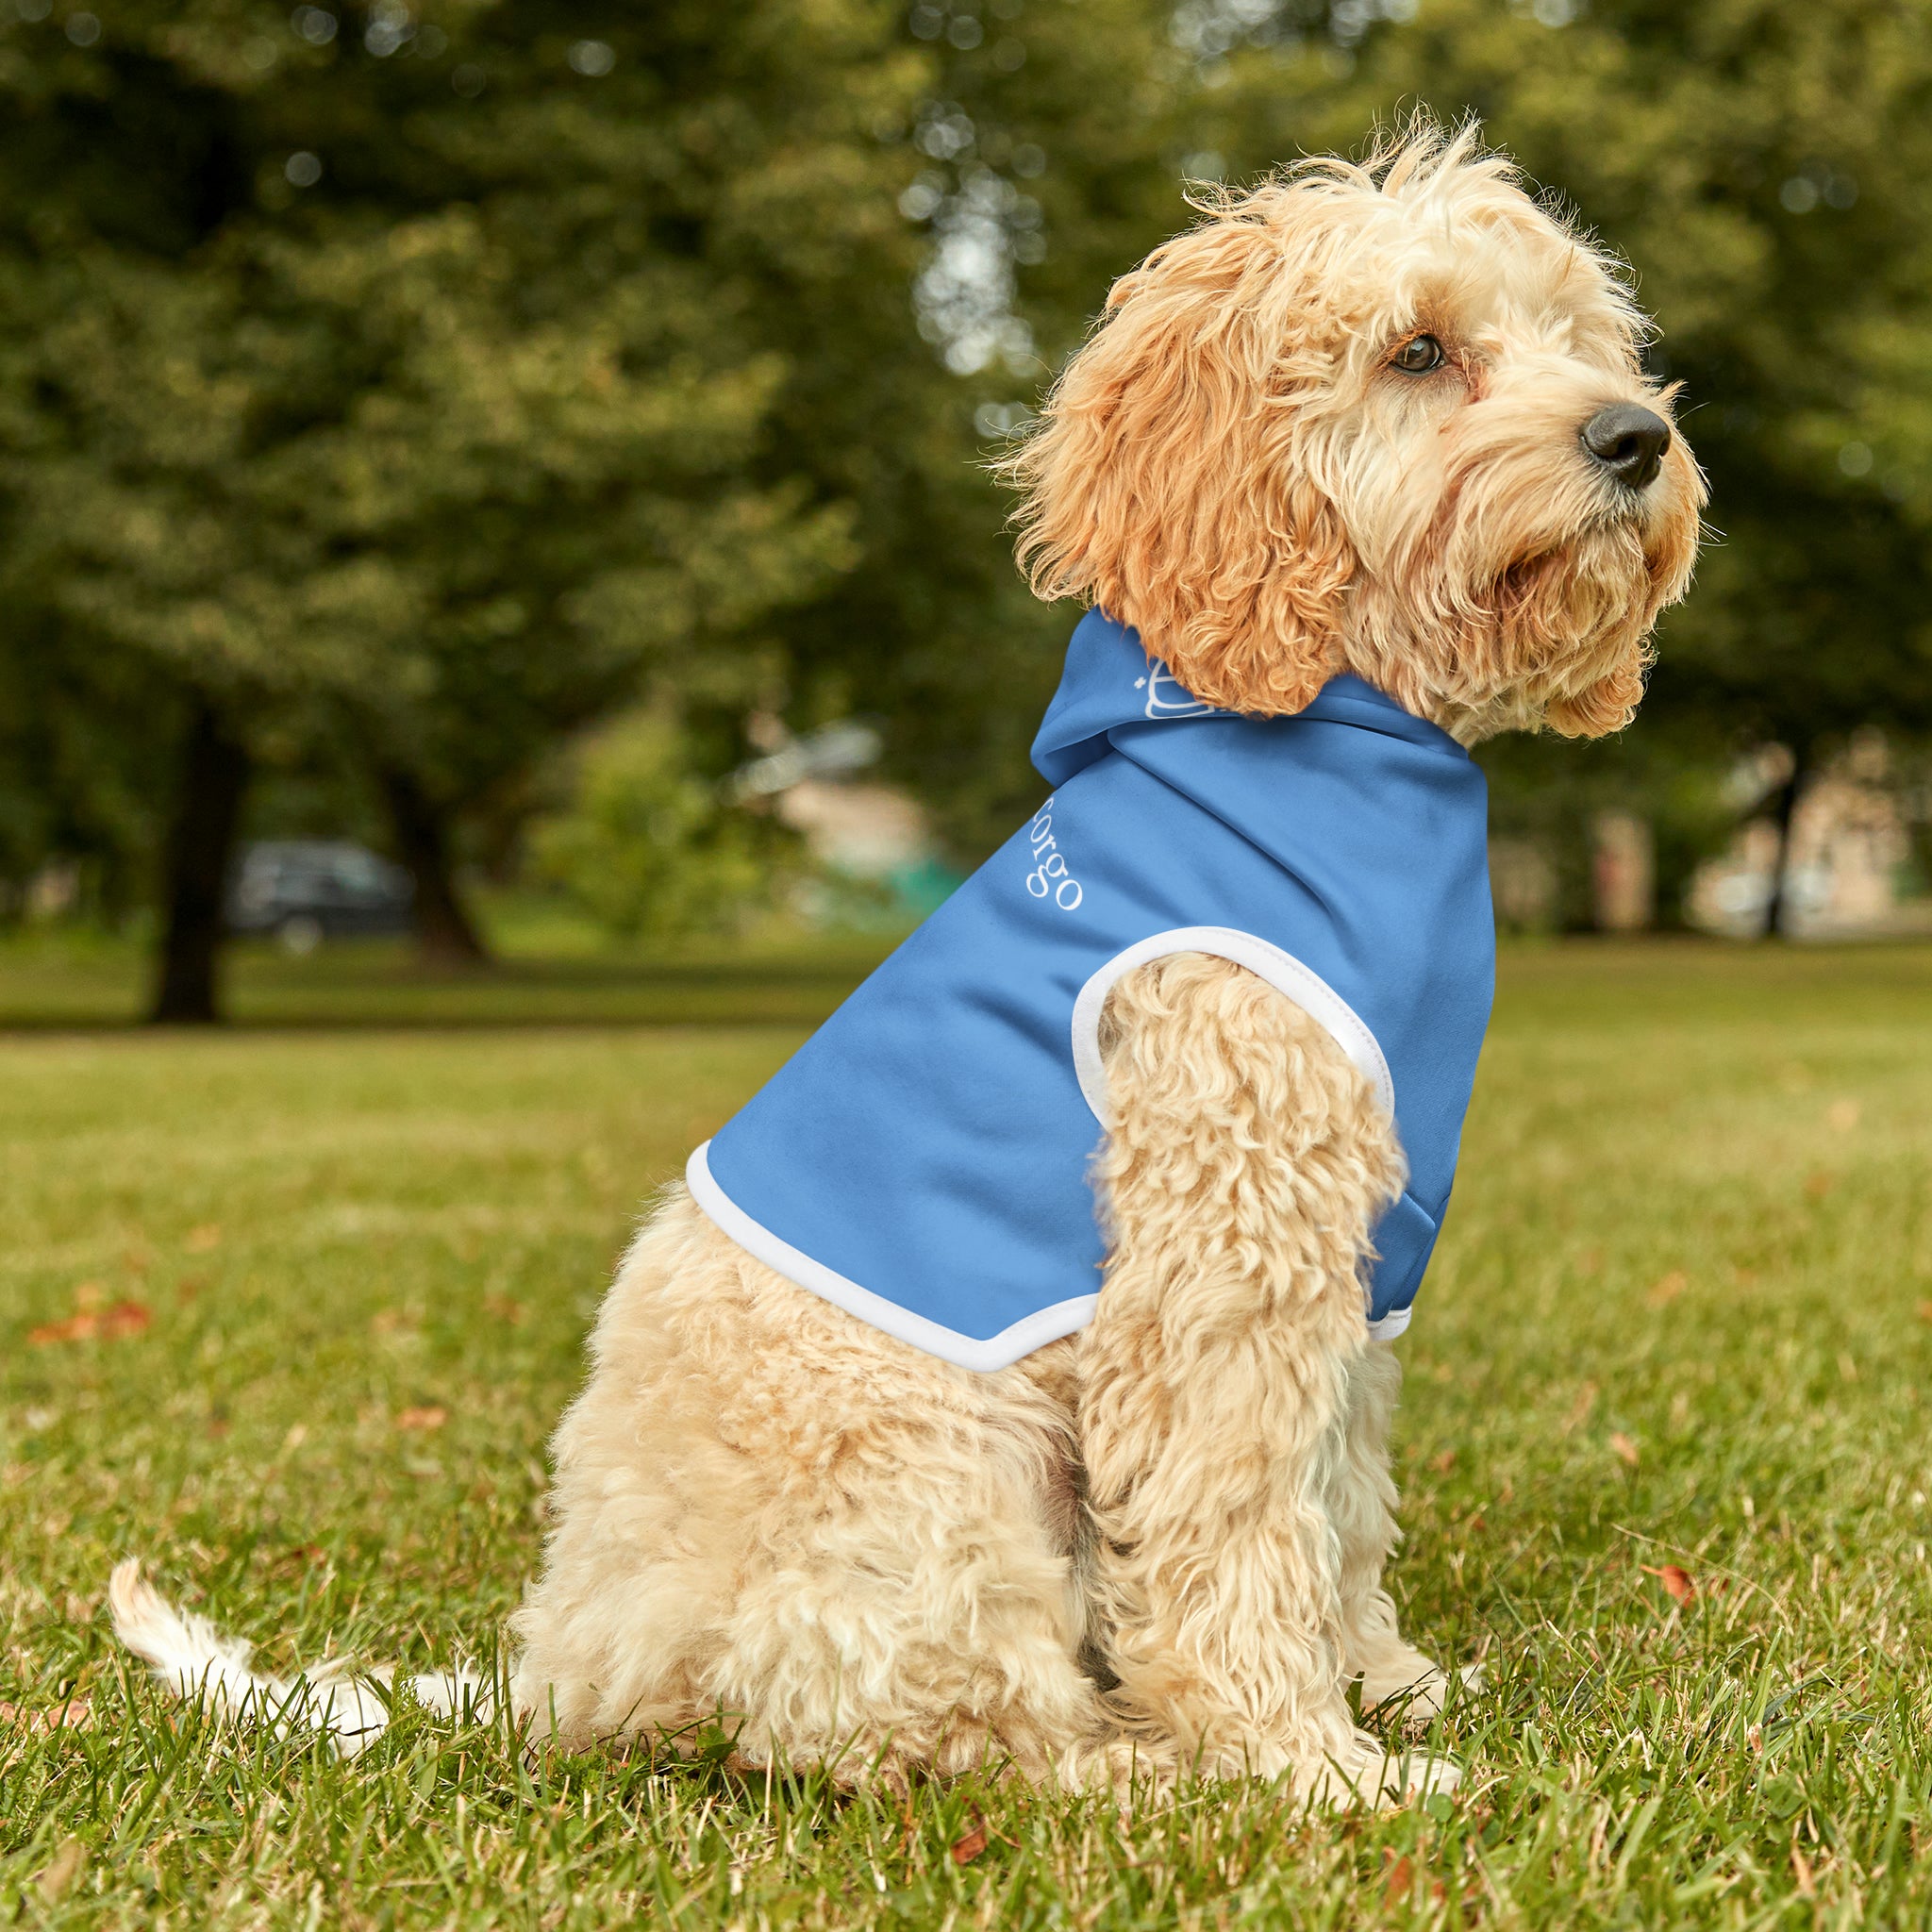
x=1246 y=1164
x=1361 y=1504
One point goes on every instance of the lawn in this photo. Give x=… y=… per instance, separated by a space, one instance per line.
x=290 y=1312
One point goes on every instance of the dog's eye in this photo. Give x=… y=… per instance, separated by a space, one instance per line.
x=1418 y=355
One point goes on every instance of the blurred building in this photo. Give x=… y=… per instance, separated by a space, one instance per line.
x=1523 y=885
x=878 y=861
x=1622 y=875
x=1848 y=870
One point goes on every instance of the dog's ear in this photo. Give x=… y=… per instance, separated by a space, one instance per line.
x=1167 y=481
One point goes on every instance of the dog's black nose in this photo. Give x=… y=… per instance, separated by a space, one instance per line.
x=1628 y=442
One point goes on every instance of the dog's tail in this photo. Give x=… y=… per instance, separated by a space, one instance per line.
x=195 y=1662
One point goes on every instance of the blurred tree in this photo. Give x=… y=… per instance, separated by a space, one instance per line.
x=1048 y=151
x=79 y=766
x=646 y=845
x=407 y=382
x=412 y=386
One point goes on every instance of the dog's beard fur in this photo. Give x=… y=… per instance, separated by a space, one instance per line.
x=1525 y=599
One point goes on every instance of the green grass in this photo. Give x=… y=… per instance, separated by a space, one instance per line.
x=547 y=972
x=1676 y=1319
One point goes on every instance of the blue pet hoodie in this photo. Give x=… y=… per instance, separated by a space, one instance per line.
x=923 y=1159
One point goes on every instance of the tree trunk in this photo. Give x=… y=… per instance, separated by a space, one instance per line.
x=201 y=845
x=445 y=935
x=1778 y=906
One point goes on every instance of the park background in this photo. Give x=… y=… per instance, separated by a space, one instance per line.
x=531 y=454
x=532 y=460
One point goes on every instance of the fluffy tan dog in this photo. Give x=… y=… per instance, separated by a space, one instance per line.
x=1336 y=426
x=1387 y=419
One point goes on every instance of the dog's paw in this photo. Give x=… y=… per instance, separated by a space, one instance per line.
x=1415 y=1696
x=1413 y=1778
x=1414 y=1689
x=1366 y=1772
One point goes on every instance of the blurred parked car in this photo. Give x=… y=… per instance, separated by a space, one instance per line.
x=305 y=890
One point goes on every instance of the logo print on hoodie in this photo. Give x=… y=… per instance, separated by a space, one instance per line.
x=1050 y=872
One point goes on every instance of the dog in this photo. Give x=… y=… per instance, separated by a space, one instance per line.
x=1359 y=471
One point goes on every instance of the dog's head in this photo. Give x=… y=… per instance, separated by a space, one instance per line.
x=1385 y=418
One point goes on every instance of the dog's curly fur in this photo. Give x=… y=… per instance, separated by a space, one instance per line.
x=1158 y=1544
x=869 y=1556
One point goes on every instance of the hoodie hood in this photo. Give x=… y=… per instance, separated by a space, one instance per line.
x=1111 y=681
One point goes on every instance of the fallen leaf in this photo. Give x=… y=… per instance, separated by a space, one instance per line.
x=967 y=1848
x=203 y=1239
x=123 y=1318
x=1400 y=1881
x=1625 y=1447
x=427 y=1417
x=1678 y=1583
x=74 y=1329
x=61 y=1870
x=1667 y=1289
x=74 y=1715
x=1443 y=1463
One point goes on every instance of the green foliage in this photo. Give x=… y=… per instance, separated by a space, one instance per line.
x=415 y=397
x=82 y=764
x=1678 y=1159
x=1042 y=160
x=1759 y=164
x=646 y=845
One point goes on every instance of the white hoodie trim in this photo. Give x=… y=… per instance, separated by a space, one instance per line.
x=1285 y=974
x=1282 y=970
x=999 y=1351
